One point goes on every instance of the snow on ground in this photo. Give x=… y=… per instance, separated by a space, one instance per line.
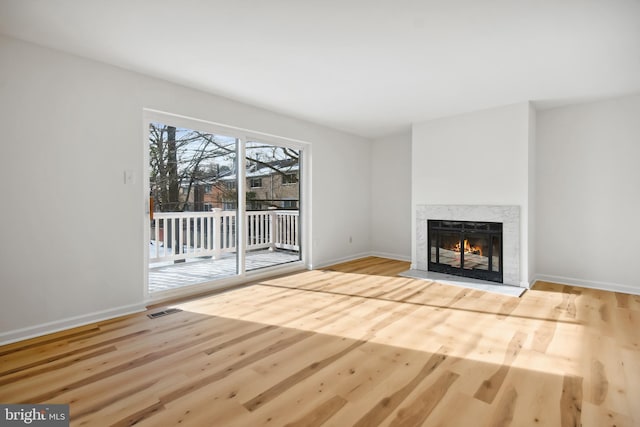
x=156 y=250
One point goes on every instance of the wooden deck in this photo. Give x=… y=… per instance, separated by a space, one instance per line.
x=190 y=273
x=347 y=346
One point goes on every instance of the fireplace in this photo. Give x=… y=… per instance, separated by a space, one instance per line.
x=466 y=248
x=509 y=253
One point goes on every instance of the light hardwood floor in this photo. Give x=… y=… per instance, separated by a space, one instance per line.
x=348 y=345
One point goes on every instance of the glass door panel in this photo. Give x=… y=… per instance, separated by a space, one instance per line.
x=476 y=251
x=272 y=205
x=449 y=249
x=193 y=207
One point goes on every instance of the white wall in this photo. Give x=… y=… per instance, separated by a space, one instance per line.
x=479 y=158
x=391 y=197
x=341 y=199
x=72 y=231
x=588 y=194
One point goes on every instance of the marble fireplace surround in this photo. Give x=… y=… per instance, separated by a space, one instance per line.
x=509 y=216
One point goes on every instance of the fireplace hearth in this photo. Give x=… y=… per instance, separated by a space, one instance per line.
x=466 y=248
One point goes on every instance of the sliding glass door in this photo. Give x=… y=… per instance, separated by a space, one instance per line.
x=220 y=205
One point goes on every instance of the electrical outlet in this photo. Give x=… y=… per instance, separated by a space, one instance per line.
x=129 y=178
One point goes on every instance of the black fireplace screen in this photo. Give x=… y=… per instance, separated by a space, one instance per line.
x=464 y=248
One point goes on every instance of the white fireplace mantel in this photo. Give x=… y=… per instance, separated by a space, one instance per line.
x=509 y=216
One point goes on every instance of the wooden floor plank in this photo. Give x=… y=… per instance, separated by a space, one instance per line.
x=351 y=344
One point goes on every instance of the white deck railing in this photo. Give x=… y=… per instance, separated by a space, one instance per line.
x=182 y=235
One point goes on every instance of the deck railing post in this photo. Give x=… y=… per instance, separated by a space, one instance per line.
x=272 y=230
x=217 y=228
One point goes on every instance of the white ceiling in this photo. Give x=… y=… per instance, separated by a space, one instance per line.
x=367 y=67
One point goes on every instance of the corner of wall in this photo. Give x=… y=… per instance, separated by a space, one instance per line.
x=531 y=188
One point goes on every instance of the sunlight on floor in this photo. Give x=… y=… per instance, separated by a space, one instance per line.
x=410 y=314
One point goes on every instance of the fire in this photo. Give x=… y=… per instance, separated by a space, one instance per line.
x=468 y=249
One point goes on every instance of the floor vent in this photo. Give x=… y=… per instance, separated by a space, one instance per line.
x=163 y=313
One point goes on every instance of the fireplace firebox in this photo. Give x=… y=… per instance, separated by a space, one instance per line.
x=466 y=248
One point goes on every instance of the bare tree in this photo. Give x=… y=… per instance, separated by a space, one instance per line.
x=182 y=159
x=176 y=158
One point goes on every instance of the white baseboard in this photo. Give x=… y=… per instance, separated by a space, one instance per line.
x=603 y=286
x=327 y=263
x=68 y=323
x=397 y=257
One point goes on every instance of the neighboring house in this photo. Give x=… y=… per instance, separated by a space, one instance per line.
x=272 y=185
